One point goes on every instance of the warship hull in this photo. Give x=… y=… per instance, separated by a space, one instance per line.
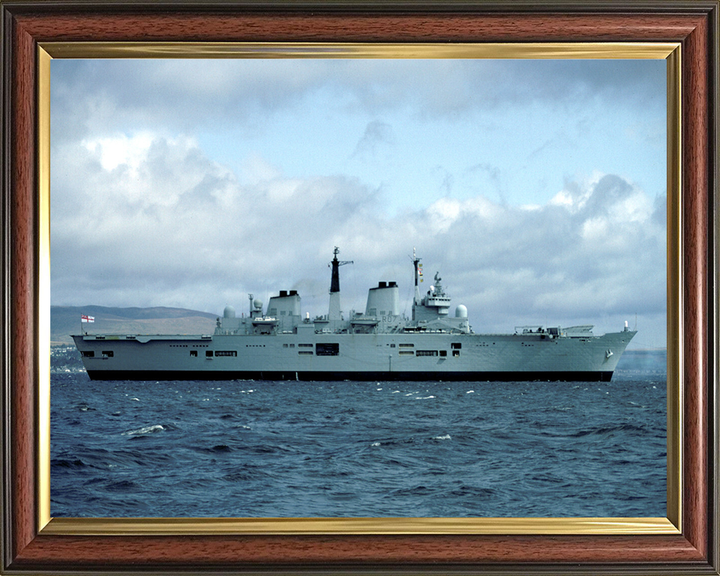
x=359 y=357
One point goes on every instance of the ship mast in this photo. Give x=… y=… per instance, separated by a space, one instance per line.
x=334 y=309
x=417 y=267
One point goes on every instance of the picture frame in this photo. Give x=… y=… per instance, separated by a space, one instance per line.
x=686 y=541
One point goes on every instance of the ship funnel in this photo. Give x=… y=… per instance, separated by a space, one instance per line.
x=285 y=307
x=285 y=304
x=383 y=300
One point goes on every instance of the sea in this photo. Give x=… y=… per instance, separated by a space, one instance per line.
x=358 y=449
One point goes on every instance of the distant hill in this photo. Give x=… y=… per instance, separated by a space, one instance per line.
x=65 y=320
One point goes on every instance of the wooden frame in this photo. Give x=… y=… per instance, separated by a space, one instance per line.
x=28 y=549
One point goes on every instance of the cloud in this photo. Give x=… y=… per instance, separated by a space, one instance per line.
x=377 y=135
x=134 y=230
x=166 y=225
x=94 y=95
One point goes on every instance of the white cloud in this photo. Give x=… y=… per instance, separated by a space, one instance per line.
x=120 y=149
x=594 y=230
x=257 y=169
x=443 y=214
x=563 y=198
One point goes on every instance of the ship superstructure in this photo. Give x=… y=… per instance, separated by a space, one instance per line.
x=378 y=343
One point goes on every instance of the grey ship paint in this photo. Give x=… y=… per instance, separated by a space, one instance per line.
x=377 y=344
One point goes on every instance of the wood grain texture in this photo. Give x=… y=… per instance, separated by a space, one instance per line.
x=688 y=553
x=696 y=182
x=220 y=552
x=319 y=27
x=22 y=278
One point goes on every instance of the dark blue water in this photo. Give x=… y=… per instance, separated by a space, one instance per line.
x=346 y=449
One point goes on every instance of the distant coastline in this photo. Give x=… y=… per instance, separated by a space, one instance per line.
x=65 y=320
x=648 y=361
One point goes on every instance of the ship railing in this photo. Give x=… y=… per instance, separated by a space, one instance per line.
x=529 y=329
x=364 y=320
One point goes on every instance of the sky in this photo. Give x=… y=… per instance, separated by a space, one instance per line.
x=537 y=189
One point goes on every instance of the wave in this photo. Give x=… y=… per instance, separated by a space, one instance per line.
x=146 y=430
x=84 y=407
x=62 y=463
x=411 y=440
x=465 y=490
x=122 y=486
x=419 y=490
x=605 y=430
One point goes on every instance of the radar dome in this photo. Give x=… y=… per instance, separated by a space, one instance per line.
x=257 y=303
x=461 y=311
x=229 y=312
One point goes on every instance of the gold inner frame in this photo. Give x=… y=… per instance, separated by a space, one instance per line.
x=671 y=52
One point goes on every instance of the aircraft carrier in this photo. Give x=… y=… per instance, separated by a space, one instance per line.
x=379 y=343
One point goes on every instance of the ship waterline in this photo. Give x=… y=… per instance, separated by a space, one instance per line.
x=377 y=344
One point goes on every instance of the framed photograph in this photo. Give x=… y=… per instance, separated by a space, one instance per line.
x=75 y=45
